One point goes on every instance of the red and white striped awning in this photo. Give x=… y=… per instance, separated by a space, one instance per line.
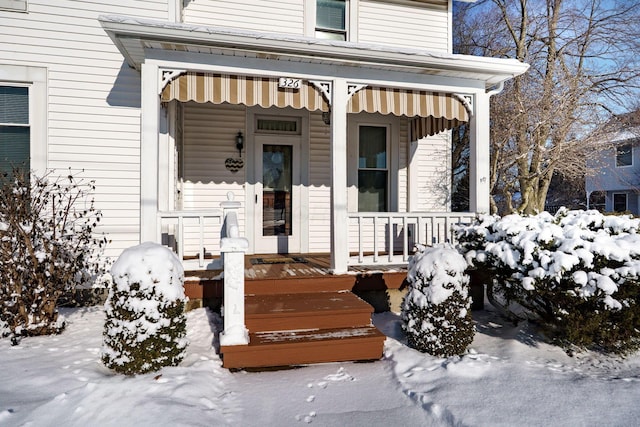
x=432 y=112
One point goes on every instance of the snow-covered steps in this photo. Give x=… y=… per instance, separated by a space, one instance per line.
x=302 y=347
x=305 y=328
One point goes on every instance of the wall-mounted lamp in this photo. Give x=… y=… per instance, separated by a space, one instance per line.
x=326 y=117
x=239 y=142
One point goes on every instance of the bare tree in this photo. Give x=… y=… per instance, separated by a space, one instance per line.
x=584 y=65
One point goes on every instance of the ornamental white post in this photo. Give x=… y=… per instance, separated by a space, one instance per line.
x=232 y=250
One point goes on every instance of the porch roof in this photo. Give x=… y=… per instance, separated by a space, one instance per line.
x=135 y=37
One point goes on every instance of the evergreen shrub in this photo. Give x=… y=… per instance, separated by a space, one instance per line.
x=436 y=316
x=145 y=327
x=577 y=274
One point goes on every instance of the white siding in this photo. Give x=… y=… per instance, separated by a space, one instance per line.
x=432 y=161
x=409 y=24
x=319 y=185
x=209 y=135
x=93 y=99
x=275 y=16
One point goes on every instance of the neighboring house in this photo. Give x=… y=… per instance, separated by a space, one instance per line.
x=339 y=105
x=614 y=182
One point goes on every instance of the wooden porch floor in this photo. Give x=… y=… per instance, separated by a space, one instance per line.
x=291 y=273
x=272 y=266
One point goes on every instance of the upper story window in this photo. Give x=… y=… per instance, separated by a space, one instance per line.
x=624 y=155
x=331 y=19
x=15 y=132
x=17 y=5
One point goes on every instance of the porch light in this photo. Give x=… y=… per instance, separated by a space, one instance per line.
x=239 y=142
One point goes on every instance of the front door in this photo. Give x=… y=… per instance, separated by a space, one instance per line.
x=277 y=219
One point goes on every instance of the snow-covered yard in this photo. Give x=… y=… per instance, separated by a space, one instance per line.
x=508 y=378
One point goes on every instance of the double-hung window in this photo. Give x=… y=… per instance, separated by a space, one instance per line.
x=373 y=169
x=624 y=155
x=15 y=129
x=619 y=202
x=331 y=19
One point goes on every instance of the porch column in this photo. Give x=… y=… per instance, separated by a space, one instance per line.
x=150 y=120
x=338 y=154
x=479 y=156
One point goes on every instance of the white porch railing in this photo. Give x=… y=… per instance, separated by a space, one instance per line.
x=389 y=237
x=173 y=228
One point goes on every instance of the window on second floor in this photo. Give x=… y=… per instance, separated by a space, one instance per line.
x=624 y=155
x=331 y=19
x=15 y=5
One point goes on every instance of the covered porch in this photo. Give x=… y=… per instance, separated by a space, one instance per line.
x=354 y=133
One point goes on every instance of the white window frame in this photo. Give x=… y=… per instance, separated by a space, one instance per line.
x=393 y=141
x=15 y=5
x=351 y=19
x=613 y=202
x=387 y=166
x=36 y=79
x=616 y=154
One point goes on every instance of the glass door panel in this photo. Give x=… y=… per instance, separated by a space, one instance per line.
x=277 y=162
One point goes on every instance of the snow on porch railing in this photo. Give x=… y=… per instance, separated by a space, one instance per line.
x=389 y=237
x=177 y=229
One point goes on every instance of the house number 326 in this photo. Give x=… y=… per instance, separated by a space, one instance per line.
x=288 y=83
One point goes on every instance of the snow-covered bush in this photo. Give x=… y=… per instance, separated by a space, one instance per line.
x=436 y=314
x=577 y=273
x=47 y=248
x=145 y=327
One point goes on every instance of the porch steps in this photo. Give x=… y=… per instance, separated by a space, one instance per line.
x=304 y=328
x=323 y=310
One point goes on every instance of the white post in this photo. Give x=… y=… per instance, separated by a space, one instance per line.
x=150 y=112
x=232 y=250
x=338 y=154
x=479 y=158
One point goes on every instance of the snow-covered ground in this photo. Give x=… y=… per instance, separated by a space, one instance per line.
x=508 y=378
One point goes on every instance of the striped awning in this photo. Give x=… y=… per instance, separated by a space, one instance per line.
x=432 y=112
x=246 y=90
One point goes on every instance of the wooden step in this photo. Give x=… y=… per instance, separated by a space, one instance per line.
x=294 y=284
x=323 y=310
x=302 y=347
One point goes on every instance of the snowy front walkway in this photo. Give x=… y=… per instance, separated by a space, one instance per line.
x=508 y=378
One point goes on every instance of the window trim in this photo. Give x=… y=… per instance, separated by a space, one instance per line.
x=351 y=19
x=630 y=145
x=15 y=5
x=387 y=167
x=613 y=202
x=36 y=79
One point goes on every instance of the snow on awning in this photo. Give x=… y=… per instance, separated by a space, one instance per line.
x=432 y=112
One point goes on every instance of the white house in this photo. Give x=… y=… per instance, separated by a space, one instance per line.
x=343 y=100
x=326 y=120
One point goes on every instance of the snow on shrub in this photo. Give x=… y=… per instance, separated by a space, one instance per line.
x=436 y=310
x=577 y=273
x=145 y=327
x=47 y=248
